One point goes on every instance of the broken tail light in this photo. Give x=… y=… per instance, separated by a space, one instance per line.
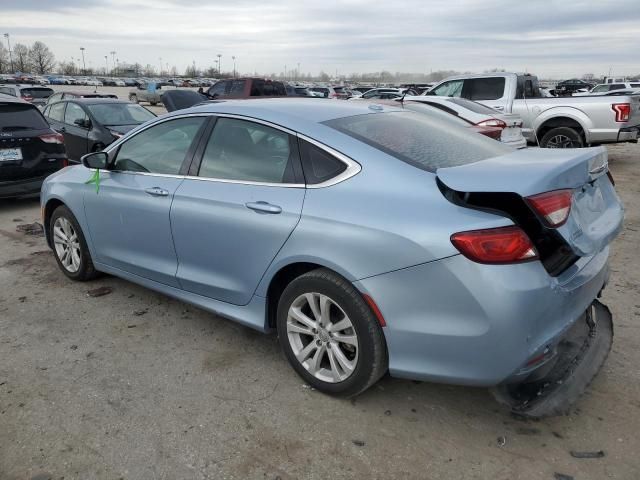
x=495 y=245
x=553 y=207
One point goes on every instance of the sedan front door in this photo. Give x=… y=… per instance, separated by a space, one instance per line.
x=75 y=131
x=128 y=215
x=230 y=220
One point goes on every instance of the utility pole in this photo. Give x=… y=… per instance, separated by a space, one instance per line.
x=219 y=64
x=113 y=60
x=234 y=66
x=6 y=35
x=84 y=66
x=106 y=62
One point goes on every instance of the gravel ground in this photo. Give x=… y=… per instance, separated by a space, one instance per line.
x=134 y=385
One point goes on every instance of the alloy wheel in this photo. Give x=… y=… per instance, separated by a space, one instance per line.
x=322 y=337
x=67 y=244
x=560 y=141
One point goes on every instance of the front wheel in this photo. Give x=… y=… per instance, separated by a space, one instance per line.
x=70 y=247
x=330 y=335
x=562 y=137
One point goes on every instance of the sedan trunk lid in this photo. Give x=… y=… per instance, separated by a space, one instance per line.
x=596 y=214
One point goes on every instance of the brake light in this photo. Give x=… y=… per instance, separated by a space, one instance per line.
x=65 y=162
x=491 y=132
x=623 y=111
x=26 y=98
x=495 y=245
x=52 y=138
x=553 y=206
x=493 y=122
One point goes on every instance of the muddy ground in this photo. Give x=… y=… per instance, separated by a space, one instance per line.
x=134 y=385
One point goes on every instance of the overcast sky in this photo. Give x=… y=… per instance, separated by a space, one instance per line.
x=550 y=38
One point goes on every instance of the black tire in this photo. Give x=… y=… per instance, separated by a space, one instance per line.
x=86 y=270
x=133 y=98
x=553 y=138
x=372 y=358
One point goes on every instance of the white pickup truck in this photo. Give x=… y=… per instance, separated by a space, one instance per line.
x=567 y=122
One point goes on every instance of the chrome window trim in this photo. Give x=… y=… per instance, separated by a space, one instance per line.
x=353 y=167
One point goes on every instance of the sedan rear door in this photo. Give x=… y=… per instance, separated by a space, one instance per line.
x=237 y=208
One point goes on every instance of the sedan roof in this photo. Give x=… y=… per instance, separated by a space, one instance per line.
x=95 y=100
x=290 y=111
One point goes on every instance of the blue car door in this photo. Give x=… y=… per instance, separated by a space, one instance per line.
x=128 y=216
x=233 y=214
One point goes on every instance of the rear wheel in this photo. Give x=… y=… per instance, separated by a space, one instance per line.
x=70 y=247
x=562 y=137
x=329 y=334
x=133 y=98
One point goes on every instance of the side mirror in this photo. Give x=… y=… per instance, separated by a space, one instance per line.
x=97 y=160
x=82 y=122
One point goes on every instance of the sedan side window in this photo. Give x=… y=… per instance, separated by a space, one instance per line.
x=159 y=149
x=452 y=88
x=57 y=112
x=8 y=91
x=247 y=151
x=75 y=113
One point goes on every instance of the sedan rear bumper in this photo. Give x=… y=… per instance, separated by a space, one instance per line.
x=19 y=188
x=456 y=321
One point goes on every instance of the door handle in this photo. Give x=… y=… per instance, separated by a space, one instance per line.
x=157 y=192
x=263 y=207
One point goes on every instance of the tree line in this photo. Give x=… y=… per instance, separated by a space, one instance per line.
x=35 y=59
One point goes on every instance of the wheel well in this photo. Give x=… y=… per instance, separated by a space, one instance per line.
x=48 y=211
x=560 y=122
x=279 y=282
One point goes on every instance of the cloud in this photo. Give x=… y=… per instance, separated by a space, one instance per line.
x=549 y=37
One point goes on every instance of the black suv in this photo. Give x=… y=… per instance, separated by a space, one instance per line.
x=30 y=150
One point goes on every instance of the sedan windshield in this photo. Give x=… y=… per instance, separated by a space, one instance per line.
x=116 y=114
x=423 y=141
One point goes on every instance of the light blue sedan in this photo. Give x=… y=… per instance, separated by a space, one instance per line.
x=372 y=239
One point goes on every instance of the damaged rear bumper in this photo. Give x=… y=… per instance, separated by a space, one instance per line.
x=554 y=383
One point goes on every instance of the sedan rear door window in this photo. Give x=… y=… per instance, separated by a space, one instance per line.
x=161 y=148
x=57 y=112
x=75 y=113
x=241 y=150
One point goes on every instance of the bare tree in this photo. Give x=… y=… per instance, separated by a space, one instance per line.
x=5 y=66
x=67 y=68
x=149 y=71
x=21 y=58
x=42 y=59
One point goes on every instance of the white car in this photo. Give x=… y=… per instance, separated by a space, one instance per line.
x=479 y=115
x=94 y=82
x=604 y=88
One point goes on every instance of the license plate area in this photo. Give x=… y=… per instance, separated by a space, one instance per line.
x=10 y=154
x=510 y=134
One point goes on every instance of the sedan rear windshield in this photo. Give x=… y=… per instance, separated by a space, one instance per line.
x=419 y=140
x=116 y=114
x=15 y=116
x=36 y=92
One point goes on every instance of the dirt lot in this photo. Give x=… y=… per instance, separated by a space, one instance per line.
x=134 y=385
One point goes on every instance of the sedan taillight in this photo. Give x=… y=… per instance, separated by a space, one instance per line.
x=493 y=122
x=495 y=245
x=553 y=207
x=52 y=138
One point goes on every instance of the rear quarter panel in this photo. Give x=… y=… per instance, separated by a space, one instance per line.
x=389 y=216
